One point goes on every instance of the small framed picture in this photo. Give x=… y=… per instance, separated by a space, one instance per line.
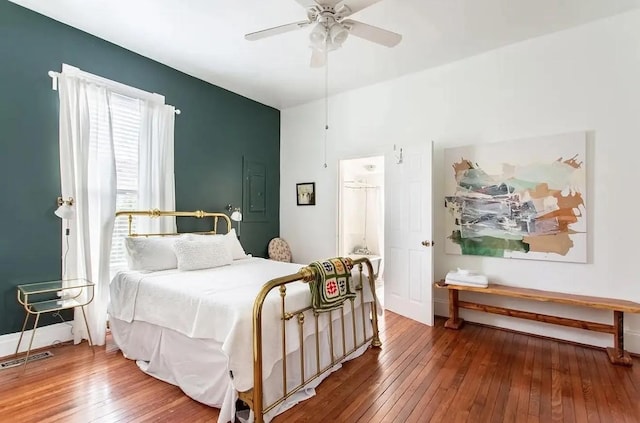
x=306 y=194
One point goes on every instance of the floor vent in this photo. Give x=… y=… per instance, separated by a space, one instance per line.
x=20 y=361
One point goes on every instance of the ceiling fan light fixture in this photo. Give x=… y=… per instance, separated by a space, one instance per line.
x=318 y=36
x=337 y=35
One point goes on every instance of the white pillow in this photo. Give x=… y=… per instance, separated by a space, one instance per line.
x=194 y=253
x=230 y=240
x=151 y=254
x=233 y=244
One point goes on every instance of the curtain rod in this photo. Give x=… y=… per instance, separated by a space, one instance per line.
x=54 y=85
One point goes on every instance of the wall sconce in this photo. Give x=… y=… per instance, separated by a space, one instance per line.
x=236 y=215
x=66 y=212
x=65 y=208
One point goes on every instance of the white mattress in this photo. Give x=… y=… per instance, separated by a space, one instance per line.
x=211 y=307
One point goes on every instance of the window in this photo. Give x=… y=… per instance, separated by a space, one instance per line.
x=125 y=124
x=131 y=112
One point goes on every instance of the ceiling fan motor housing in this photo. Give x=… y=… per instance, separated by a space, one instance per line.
x=321 y=12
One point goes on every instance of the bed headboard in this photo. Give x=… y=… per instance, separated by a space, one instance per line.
x=198 y=214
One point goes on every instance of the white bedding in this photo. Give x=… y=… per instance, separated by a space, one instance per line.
x=215 y=304
x=199 y=367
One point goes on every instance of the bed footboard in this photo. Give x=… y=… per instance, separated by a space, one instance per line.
x=354 y=334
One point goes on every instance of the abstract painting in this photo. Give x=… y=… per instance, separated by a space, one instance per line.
x=518 y=199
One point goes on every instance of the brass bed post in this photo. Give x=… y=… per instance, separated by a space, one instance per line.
x=364 y=318
x=330 y=314
x=283 y=294
x=374 y=305
x=344 y=337
x=316 y=316
x=353 y=320
x=301 y=340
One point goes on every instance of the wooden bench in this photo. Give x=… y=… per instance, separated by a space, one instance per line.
x=617 y=354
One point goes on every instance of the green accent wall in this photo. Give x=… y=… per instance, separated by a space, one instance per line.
x=216 y=129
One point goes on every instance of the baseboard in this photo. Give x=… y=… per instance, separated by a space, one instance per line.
x=441 y=307
x=632 y=341
x=631 y=337
x=45 y=336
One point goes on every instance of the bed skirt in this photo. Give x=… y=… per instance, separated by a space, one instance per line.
x=199 y=367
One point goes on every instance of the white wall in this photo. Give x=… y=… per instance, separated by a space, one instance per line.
x=582 y=79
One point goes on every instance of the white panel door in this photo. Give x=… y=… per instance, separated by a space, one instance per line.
x=408 y=276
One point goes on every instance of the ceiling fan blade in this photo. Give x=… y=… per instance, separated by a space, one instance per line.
x=311 y=3
x=372 y=33
x=318 y=58
x=306 y=3
x=276 y=30
x=356 y=6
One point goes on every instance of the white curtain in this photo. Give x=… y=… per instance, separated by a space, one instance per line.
x=88 y=175
x=156 y=181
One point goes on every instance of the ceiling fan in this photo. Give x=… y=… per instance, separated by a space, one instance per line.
x=331 y=28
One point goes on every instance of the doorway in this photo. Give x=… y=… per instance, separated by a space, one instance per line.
x=361 y=212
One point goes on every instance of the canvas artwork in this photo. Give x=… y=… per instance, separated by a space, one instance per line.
x=518 y=199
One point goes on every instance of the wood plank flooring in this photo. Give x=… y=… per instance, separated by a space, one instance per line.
x=421 y=374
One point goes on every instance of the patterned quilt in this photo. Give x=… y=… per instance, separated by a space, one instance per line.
x=332 y=285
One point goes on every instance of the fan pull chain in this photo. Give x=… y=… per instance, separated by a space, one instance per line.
x=326 y=101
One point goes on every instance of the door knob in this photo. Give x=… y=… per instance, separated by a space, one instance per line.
x=427 y=243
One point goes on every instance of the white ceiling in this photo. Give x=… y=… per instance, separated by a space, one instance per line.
x=205 y=38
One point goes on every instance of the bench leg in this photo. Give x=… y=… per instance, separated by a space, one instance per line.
x=617 y=354
x=454 y=321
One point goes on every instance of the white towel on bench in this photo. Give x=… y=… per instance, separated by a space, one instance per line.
x=466 y=279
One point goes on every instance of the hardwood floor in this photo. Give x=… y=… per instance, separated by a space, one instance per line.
x=421 y=374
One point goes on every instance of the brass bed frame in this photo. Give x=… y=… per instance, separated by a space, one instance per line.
x=254 y=397
x=155 y=213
